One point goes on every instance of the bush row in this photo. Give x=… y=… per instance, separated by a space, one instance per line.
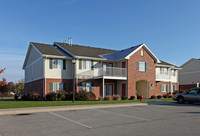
x=32 y=96
x=116 y=97
x=159 y=96
x=62 y=95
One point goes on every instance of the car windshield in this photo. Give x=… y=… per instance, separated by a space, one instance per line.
x=193 y=91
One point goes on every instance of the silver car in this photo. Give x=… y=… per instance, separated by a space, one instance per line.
x=192 y=96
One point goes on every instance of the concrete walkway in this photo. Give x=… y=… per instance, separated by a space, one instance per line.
x=63 y=108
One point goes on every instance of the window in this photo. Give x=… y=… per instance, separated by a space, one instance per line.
x=164 y=71
x=193 y=91
x=173 y=72
x=87 y=86
x=164 y=88
x=142 y=66
x=54 y=86
x=142 y=53
x=57 y=64
x=86 y=64
x=174 y=87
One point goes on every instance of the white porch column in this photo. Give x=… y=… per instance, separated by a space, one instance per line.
x=171 y=87
x=103 y=88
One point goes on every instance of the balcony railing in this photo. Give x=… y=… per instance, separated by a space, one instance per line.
x=163 y=77
x=104 y=71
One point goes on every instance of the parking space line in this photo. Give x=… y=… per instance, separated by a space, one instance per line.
x=123 y=115
x=70 y=120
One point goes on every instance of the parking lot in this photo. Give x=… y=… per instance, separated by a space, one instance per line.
x=153 y=120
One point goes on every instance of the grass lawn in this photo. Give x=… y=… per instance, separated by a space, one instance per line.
x=8 y=103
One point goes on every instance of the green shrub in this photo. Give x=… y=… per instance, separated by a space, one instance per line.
x=82 y=96
x=124 y=97
x=33 y=96
x=153 y=97
x=69 y=96
x=175 y=92
x=169 y=96
x=132 y=98
x=138 y=97
x=51 y=96
x=60 y=95
x=116 y=97
x=16 y=96
x=92 y=96
x=164 y=96
x=24 y=98
x=159 y=96
x=100 y=98
x=108 y=98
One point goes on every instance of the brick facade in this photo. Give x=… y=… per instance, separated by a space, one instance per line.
x=35 y=86
x=38 y=86
x=187 y=87
x=157 y=88
x=134 y=75
x=68 y=82
x=98 y=86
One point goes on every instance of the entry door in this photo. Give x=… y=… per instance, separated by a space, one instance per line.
x=105 y=90
x=123 y=89
x=123 y=66
x=110 y=89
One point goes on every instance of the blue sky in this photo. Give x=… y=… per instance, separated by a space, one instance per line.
x=170 y=28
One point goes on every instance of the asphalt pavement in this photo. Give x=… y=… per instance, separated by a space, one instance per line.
x=152 y=120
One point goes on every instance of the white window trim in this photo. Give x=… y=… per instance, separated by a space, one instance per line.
x=165 y=88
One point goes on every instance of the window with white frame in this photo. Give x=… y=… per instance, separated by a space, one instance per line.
x=57 y=64
x=142 y=66
x=85 y=64
x=164 y=88
x=174 y=87
x=173 y=72
x=164 y=71
x=87 y=86
x=56 y=86
x=142 y=53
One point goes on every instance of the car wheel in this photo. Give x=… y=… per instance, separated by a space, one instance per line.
x=180 y=100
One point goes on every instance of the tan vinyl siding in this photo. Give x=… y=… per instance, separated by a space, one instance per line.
x=59 y=73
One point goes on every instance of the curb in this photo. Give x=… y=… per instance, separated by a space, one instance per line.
x=65 y=108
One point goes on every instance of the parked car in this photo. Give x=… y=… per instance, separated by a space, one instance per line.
x=191 y=96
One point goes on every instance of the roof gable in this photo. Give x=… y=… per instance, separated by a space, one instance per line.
x=126 y=53
x=193 y=59
x=31 y=55
x=120 y=54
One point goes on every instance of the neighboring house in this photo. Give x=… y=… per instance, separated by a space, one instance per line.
x=129 y=72
x=189 y=75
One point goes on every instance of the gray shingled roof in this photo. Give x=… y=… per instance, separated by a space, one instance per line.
x=165 y=63
x=79 y=50
x=120 y=54
x=47 y=49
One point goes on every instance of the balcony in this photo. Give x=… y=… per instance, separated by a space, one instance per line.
x=105 y=72
x=163 y=77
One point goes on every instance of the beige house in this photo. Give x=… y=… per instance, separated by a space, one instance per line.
x=129 y=72
x=189 y=75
